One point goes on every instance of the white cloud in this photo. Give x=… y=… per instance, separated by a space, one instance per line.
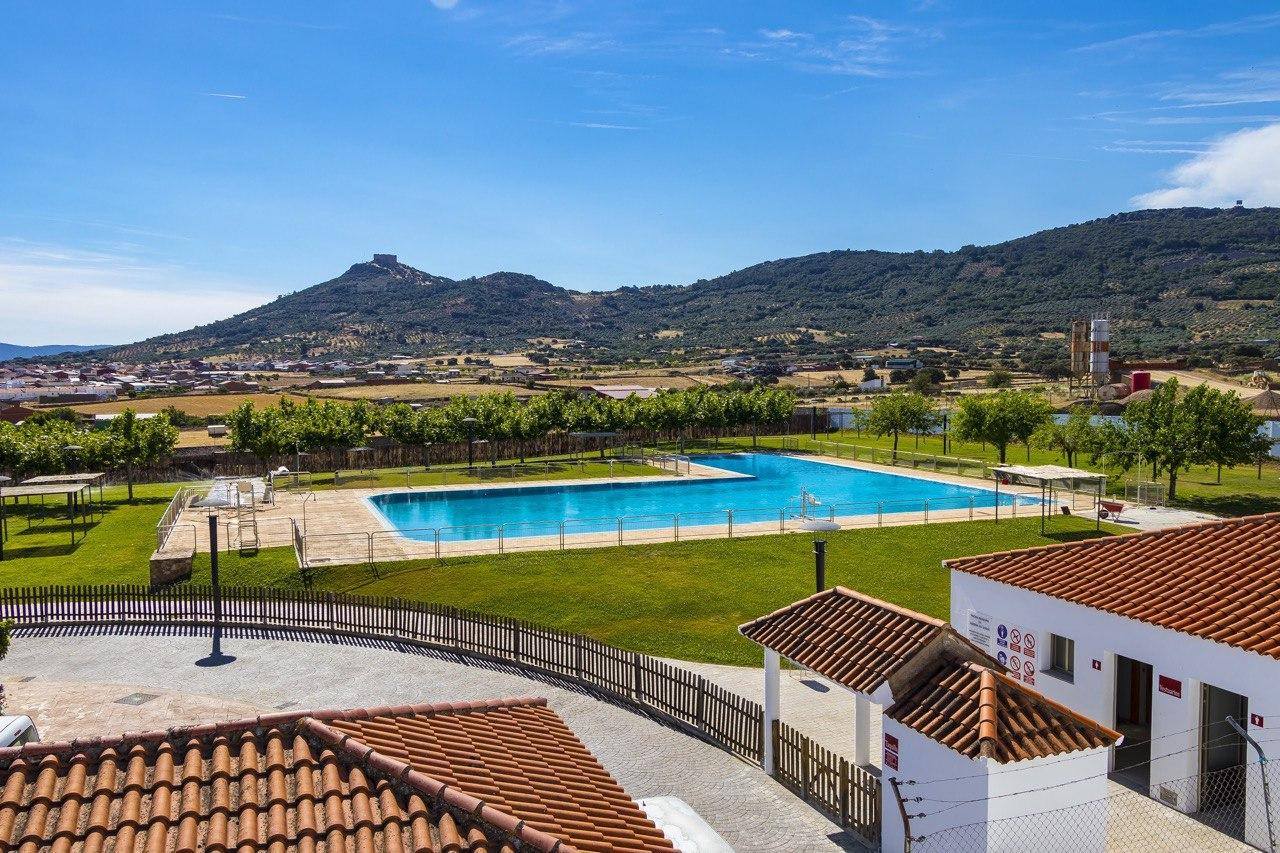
x=64 y=295
x=1251 y=24
x=782 y=34
x=227 y=95
x=1244 y=165
x=444 y=4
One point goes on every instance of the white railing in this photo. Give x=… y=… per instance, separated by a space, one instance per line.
x=169 y=520
x=375 y=546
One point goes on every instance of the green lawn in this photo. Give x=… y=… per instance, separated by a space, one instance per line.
x=1241 y=492
x=116 y=549
x=683 y=599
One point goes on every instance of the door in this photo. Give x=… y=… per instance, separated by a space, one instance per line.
x=1133 y=720
x=1223 y=753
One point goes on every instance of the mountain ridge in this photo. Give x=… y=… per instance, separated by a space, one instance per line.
x=1172 y=277
x=12 y=351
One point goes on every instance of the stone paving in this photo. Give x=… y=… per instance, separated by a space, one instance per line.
x=750 y=810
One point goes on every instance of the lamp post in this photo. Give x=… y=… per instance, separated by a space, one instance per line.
x=3 y=522
x=216 y=657
x=471 y=441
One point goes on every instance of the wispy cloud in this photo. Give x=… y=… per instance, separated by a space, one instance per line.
x=444 y=4
x=858 y=45
x=783 y=35
x=533 y=44
x=1250 y=24
x=227 y=95
x=600 y=125
x=1239 y=165
x=71 y=294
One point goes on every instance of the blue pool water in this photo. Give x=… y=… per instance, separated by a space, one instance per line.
x=773 y=484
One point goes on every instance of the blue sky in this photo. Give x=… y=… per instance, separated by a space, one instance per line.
x=164 y=165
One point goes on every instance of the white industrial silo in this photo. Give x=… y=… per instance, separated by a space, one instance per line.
x=1100 y=350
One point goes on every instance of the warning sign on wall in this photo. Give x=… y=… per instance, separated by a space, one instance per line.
x=980 y=628
x=890 y=752
x=1016 y=649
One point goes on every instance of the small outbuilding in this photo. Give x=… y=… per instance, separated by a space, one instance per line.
x=952 y=719
x=1171 y=637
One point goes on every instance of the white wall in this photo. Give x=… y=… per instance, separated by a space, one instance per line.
x=1057 y=801
x=922 y=760
x=1100 y=637
x=1027 y=794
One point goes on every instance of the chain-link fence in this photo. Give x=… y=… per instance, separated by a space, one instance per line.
x=1234 y=808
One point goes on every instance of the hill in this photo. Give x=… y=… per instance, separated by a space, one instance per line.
x=1166 y=277
x=9 y=351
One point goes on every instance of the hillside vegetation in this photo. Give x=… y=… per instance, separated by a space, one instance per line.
x=1165 y=277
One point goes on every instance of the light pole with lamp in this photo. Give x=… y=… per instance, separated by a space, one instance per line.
x=216 y=657
x=471 y=441
x=3 y=521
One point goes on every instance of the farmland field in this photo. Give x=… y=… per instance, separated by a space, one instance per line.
x=200 y=405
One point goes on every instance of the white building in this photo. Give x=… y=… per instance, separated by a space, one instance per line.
x=1162 y=635
x=954 y=722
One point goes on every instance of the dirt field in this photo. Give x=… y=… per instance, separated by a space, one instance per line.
x=199 y=405
x=423 y=391
x=650 y=380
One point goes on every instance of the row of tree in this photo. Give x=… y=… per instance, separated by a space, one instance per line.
x=56 y=443
x=316 y=425
x=1168 y=430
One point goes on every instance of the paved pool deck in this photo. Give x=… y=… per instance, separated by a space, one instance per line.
x=342 y=529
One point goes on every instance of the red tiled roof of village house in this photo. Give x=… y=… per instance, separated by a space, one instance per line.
x=1219 y=580
x=515 y=778
x=851 y=638
x=979 y=712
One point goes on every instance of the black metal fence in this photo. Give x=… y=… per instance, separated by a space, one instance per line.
x=685 y=699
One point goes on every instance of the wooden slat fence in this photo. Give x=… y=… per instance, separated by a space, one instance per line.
x=848 y=794
x=829 y=782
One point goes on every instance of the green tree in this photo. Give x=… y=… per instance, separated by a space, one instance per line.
x=1001 y=419
x=1230 y=437
x=1076 y=435
x=999 y=378
x=1172 y=432
x=262 y=432
x=900 y=412
x=135 y=442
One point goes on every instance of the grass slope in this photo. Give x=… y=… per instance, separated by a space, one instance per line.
x=682 y=600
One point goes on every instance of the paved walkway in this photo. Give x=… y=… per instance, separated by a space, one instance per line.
x=750 y=810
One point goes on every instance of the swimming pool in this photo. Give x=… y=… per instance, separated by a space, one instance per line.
x=769 y=489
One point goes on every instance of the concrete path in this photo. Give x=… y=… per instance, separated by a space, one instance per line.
x=750 y=810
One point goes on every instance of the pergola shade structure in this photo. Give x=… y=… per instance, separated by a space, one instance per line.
x=1049 y=479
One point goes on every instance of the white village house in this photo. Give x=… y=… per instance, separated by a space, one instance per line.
x=1161 y=635
x=953 y=719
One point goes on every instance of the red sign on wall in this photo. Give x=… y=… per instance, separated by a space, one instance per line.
x=1171 y=687
x=890 y=752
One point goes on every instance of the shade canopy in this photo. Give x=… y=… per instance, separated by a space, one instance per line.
x=1040 y=476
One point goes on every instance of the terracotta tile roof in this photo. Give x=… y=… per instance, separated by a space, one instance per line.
x=526 y=763
x=851 y=638
x=308 y=782
x=980 y=712
x=1218 y=580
